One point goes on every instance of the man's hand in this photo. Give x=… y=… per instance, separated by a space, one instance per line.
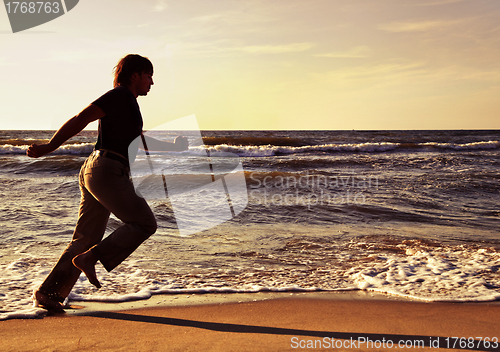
x=181 y=143
x=38 y=150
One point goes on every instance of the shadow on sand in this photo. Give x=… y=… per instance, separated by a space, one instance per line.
x=352 y=339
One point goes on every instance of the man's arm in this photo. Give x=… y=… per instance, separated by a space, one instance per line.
x=180 y=143
x=72 y=127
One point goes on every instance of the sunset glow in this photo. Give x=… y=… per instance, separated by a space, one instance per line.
x=331 y=64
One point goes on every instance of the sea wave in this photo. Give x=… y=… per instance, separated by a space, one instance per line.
x=21 y=141
x=379 y=147
x=65 y=149
x=266 y=150
x=255 y=141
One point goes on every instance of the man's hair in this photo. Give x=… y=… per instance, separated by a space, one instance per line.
x=129 y=65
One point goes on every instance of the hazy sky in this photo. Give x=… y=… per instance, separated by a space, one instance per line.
x=265 y=64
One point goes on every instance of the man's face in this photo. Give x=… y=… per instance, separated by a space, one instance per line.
x=143 y=83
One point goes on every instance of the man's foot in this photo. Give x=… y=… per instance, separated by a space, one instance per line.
x=43 y=301
x=86 y=263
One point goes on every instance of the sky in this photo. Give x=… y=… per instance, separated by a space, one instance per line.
x=264 y=64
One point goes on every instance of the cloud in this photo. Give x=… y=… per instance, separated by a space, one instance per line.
x=160 y=6
x=378 y=71
x=276 y=49
x=226 y=47
x=422 y=26
x=436 y=3
x=356 y=52
x=217 y=17
x=5 y=62
x=233 y=17
x=409 y=76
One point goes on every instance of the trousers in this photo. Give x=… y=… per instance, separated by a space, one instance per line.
x=106 y=188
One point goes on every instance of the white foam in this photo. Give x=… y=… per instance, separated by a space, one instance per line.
x=465 y=146
x=271 y=150
x=444 y=275
x=427 y=273
x=17 y=281
x=368 y=147
x=72 y=149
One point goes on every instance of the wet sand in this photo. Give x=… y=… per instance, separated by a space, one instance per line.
x=348 y=321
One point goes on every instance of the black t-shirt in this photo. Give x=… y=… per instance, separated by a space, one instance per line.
x=122 y=122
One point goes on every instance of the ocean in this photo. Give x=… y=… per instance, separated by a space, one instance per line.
x=407 y=213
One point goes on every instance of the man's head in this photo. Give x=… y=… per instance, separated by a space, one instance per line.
x=129 y=68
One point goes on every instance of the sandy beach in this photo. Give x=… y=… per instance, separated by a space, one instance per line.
x=344 y=321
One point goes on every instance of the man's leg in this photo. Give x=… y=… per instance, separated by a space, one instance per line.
x=89 y=230
x=115 y=191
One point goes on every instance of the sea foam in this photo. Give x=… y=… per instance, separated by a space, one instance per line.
x=448 y=273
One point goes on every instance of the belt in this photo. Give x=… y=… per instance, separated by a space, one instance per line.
x=112 y=155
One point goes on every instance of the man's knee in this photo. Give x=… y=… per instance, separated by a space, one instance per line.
x=149 y=227
x=80 y=243
x=152 y=228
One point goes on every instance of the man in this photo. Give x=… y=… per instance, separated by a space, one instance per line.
x=105 y=183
